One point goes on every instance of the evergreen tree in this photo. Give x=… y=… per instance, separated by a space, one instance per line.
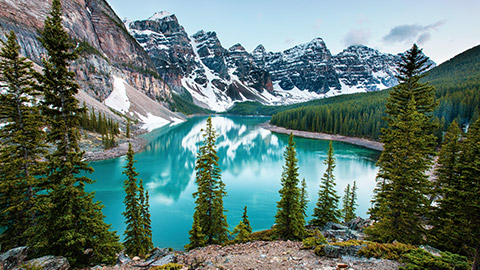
x=209 y=216
x=127 y=131
x=73 y=224
x=448 y=230
x=326 y=209
x=145 y=218
x=304 y=198
x=289 y=220
x=197 y=238
x=241 y=233
x=402 y=184
x=22 y=147
x=349 y=202
x=467 y=195
x=245 y=220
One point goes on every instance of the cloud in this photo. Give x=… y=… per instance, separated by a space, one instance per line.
x=408 y=33
x=357 y=37
x=289 y=41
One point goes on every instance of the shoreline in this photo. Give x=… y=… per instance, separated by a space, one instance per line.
x=138 y=145
x=324 y=136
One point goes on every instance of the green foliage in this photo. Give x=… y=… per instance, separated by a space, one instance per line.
x=316 y=238
x=73 y=225
x=185 y=105
x=245 y=220
x=304 y=198
x=349 y=202
x=22 y=147
x=399 y=201
x=326 y=209
x=168 y=266
x=319 y=250
x=209 y=217
x=138 y=233
x=289 y=220
x=100 y=124
x=241 y=233
x=413 y=257
x=265 y=235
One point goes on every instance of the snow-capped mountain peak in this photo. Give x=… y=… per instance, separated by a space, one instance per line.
x=160 y=15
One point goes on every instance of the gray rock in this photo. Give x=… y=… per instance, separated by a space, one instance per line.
x=339 y=251
x=49 y=263
x=157 y=254
x=334 y=226
x=431 y=250
x=123 y=259
x=13 y=258
x=170 y=258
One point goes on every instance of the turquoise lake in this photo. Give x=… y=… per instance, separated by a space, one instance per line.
x=251 y=160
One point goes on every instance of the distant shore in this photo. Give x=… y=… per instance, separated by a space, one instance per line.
x=324 y=136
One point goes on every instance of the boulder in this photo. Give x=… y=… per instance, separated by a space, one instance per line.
x=333 y=251
x=358 y=224
x=123 y=259
x=157 y=254
x=334 y=226
x=13 y=258
x=170 y=258
x=49 y=263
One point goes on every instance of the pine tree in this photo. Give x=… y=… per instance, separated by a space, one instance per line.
x=402 y=184
x=245 y=220
x=289 y=220
x=134 y=232
x=209 y=216
x=145 y=218
x=73 y=224
x=197 y=238
x=326 y=209
x=127 y=131
x=467 y=194
x=241 y=233
x=304 y=198
x=349 y=202
x=448 y=230
x=22 y=147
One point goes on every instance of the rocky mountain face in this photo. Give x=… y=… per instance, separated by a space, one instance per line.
x=105 y=46
x=217 y=77
x=199 y=65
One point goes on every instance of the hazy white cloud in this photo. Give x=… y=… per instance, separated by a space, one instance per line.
x=318 y=24
x=357 y=37
x=289 y=41
x=409 y=33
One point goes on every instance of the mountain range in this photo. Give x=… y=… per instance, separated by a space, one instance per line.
x=157 y=60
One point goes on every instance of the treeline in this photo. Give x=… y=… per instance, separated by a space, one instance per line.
x=358 y=117
x=100 y=124
x=457 y=91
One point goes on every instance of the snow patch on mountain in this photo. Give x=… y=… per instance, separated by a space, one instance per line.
x=118 y=99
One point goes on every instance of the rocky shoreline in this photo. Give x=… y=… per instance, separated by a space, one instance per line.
x=324 y=136
x=138 y=144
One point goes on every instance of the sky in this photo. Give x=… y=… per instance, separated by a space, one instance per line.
x=443 y=28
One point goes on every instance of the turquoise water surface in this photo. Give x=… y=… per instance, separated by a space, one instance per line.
x=251 y=159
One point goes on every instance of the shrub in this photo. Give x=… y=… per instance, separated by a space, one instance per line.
x=265 y=235
x=389 y=251
x=319 y=250
x=316 y=238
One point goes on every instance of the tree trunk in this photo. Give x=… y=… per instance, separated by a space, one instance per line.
x=476 y=260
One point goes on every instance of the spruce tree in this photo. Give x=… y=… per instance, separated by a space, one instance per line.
x=289 y=220
x=197 y=238
x=326 y=209
x=448 y=230
x=349 y=202
x=402 y=184
x=245 y=220
x=73 y=224
x=304 y=198
x=145 y=218
x=467 y=195
x=22 y=147
x=209 y=216
x=241 y=233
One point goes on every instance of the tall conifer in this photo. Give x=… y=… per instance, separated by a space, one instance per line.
x=289 y=220
x=145 y=218
x=326 y=209
x=304 y=198
x=22 y=147
x=245 y=220
x=73 y=225
x=209 y=217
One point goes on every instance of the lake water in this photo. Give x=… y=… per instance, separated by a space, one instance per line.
x=251 y=160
